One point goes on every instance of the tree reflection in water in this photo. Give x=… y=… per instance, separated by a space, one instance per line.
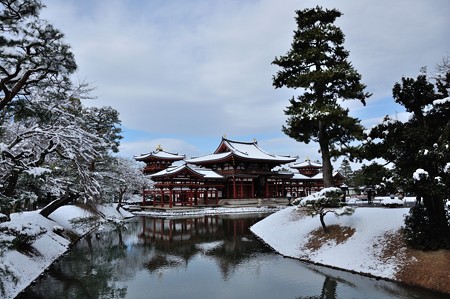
x=86 y=271
x=328 y=290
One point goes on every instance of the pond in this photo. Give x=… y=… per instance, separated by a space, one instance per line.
x=201 y=257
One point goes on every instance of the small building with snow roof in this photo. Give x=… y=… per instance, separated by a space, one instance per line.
x=185 y=184
x=158 y=160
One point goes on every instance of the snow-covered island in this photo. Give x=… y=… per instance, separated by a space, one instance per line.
x=369 y=242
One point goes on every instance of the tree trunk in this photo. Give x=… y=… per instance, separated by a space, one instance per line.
x=436 y=213
x=327 y=168
x=322 y=221
x=329 y=288
x=121 y=193
x=11 y=184
x=51 y=207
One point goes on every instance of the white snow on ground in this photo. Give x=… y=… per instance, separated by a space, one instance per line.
x=208 y=211
x=112 y=214
x=383 y=200
x=391 y=201
x=27 y=267
x=47 y=248
x=66 y=215
x=287 y=232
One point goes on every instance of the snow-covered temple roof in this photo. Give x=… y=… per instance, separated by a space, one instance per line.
x=307 y=163
x=211 y=157
x=299 y=176
x=159 y=154
x=246 y=150
x=318 y=176
x=173 y=171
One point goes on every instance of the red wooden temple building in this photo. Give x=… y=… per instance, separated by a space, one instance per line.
x=235 y=170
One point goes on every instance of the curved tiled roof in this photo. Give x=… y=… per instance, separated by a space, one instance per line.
x=306 y=163
x=159 y=155
x=198 y=171
x=245 y=150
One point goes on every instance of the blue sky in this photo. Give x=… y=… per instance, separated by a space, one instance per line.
x=184 y=73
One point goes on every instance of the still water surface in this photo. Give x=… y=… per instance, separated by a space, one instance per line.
x=202 y=257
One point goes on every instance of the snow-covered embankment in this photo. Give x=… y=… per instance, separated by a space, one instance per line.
x=289 y=233
x=53 y=241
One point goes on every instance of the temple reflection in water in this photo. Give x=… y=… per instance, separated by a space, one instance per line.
x=226 y=239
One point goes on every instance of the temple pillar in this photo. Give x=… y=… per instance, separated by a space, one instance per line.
x=242 y=188
x=253 y=188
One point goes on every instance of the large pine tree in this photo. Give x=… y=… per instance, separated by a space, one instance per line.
x=317 y=63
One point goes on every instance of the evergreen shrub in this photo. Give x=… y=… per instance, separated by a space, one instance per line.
x=421 y=234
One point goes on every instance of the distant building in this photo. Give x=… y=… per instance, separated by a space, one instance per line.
x=235 y=170
x=308 y=168
x=158 y=160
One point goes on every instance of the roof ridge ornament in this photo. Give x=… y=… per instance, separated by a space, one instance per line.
x=159 y=148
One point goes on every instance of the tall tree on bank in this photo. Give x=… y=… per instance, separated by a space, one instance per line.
x=420 y=150
x=317 y=63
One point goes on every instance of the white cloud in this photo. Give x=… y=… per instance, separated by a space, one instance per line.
x=203 y=68
x=176 y=146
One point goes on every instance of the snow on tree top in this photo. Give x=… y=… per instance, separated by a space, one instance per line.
x=420 y=174
x=37 y=171
x=441 y=101
x=447 y=167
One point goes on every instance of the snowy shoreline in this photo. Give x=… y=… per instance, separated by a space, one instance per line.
x=290 y=232
x=49 y=247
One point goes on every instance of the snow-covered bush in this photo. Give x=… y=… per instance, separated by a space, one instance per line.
x=325 y=201
x=420 y=174
x=21 y=238
x=392 y=202
x=329 y=196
